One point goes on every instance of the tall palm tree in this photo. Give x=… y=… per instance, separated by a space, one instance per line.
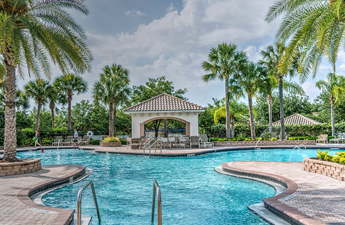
x=271 y=59
x=113 y=90
x=68 y=85
x=335 y=88
x=54 y=97
x=38 y=90
x=21 y=99
x=315 y=28
x=248 y=82
x=31 y=31
x=237 y=110
x=224 y=61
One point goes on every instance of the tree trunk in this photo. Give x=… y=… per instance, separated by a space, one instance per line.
x=227 y=108
x=69 y=111
x=232 y=120
x=10 y=144
x=39 y=105
x=252 y=127
x=111 y=119
x=332 y=115
x=165 y=128
x=156 y=126
x=52 y=108
x=270 y=113
x=114 y=128
x=281 y=99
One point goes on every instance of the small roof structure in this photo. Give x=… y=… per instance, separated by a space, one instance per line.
x=164 y=103
x=297 y=119
x=164 y=106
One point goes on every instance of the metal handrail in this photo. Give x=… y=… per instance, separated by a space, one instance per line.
x=158 y=140
x=147 y=143
x=80 y=194
x=156 y=190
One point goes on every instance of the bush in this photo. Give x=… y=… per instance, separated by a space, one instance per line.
x=124 y=141
x=111 y=139
x=94 y=142
x=273 y=139
x=302 y=138
x=324 y=155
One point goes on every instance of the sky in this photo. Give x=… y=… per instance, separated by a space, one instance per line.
x=172 y=38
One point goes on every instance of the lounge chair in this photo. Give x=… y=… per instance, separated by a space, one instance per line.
x=204 y=141
x=69 y=141
x=194 y=141
x=56 y=141
x=85 y=140
x=322 y=138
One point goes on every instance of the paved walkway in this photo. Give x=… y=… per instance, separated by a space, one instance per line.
x=317 y=196
x=18 y=209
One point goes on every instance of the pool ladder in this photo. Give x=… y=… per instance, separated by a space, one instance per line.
x=80 y=194
x=156 y=192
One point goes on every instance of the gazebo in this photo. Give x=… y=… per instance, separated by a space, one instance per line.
x=297 y=119
x=164 y=106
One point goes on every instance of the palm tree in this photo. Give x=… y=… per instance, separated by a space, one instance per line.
x=271 y=59
x=224 y=61
x=68 y=85
x=38 y=90
x=335 y=88
x=248 y=81
x=54 y=97
x=237 y=110
x=113 y=90
x=32 y=30
x=315 y=28
x=21 y=100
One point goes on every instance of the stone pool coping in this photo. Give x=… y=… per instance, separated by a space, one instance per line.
x=22 y=187
x=289 y=214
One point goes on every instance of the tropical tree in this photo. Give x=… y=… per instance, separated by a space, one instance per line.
x=54 y=97
x=271 y=59
x=237 y=112
x=113 y=90
x=38 y=90
x=315 y=28
x=335 y=88
x=224 y=61
x=248 y=82
x=32 y=30
x=21 y=100
x=67 y=85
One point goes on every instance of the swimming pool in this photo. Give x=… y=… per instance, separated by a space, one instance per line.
x=192 y=192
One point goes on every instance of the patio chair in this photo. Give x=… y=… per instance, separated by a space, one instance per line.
x=183 y=142
x=56 y=141
x=69 y=141
x=322 y=138
x=85 y=140
x=194 y=141
x=172 y=141
x=165 y=141
x=204 y=141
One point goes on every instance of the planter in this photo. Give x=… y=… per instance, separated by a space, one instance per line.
x=264 y=143
x=16 y=168
x=330 y=169
x=111 y=144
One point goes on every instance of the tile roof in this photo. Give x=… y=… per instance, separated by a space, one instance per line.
x=164 y=102
x=297 y=119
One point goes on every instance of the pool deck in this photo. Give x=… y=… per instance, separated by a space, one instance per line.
x=18 y=209
x=310 y=198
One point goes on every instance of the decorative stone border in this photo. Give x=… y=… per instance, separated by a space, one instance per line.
x=272 y=204
x=16 y=168
x=330 y=169
x=111 y=144
x=264 y=143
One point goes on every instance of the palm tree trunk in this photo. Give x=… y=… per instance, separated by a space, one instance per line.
x=232 y=120
x=227 y=108
x=111 y=119
x=114 y=128
x=69 y=112
x=39 y=105
x=10 y=145
x=270 y=113
x=332 y=115
x=52 y=108
x=252 y=127
x=281 y=99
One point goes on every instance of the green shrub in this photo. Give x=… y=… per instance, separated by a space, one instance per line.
x=324 y=155
x=111 y=139
x=273 y=139
x=124 y=141
x=94 y=142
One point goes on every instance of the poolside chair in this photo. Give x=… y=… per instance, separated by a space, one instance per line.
x=182 y=142
x=172 y=141
x=322 y=138
x=194 y=141
x=204 y=141
x=85 y=140
x=56 y=141
x=165 y=141
x=68 y=141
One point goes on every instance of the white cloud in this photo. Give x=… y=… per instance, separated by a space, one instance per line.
x=170 y=8
x=310 y=90
x=135 y=12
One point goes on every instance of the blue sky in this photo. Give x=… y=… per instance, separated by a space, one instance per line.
x=153 y=38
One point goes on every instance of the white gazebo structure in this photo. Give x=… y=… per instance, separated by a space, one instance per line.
x=164 y=106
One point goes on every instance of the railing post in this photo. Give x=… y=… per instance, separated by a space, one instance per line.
x=156 y=191
x=79 y=197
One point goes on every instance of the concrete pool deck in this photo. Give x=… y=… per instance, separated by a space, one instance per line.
x=17 y=208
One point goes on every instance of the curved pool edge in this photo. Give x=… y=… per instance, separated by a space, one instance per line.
x=287 y=213
x=65 y=216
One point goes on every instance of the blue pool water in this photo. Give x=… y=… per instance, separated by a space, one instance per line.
x=192 y=192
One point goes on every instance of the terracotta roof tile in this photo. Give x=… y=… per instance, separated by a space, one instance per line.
x=164 y=102
x=297 y=119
